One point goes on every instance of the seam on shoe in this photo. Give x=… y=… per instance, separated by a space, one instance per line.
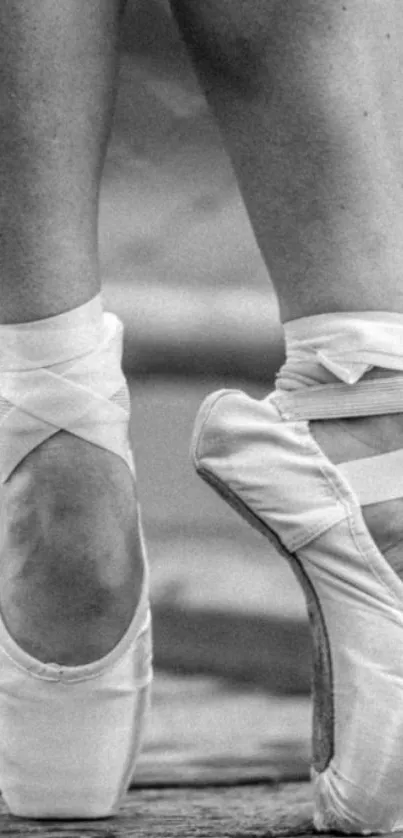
x=68 y=676
x=299 y=542
x=369 y=559
x=329 y=471
x=137 y=741
x=206 y=409
x=332 y=482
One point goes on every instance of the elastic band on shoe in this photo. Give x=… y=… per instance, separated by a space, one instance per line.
x=344 y=344
x=324 y=349
x=336 y=401
x=328 y=354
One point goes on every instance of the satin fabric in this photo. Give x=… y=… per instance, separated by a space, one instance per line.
x=69 y=736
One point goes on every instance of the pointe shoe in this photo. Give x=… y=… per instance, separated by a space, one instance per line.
x=262 y=459
x=70 y=736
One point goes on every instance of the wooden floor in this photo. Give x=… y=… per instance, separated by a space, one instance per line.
x=239 y=812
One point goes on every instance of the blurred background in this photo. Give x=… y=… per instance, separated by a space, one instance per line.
x=173 y=228
x=182 y=270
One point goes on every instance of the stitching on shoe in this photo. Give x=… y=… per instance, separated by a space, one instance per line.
x=368 y=557
x=333 y=485
x=206 y=408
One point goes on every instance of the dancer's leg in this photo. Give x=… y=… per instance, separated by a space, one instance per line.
x=70 y=563
x=58 y=69
x=309 y=98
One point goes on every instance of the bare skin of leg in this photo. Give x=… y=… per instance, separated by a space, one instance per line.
x=308 y=95
x=71 y=568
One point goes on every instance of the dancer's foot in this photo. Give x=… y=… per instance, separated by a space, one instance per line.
x=75 y=633
x=279 y=473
